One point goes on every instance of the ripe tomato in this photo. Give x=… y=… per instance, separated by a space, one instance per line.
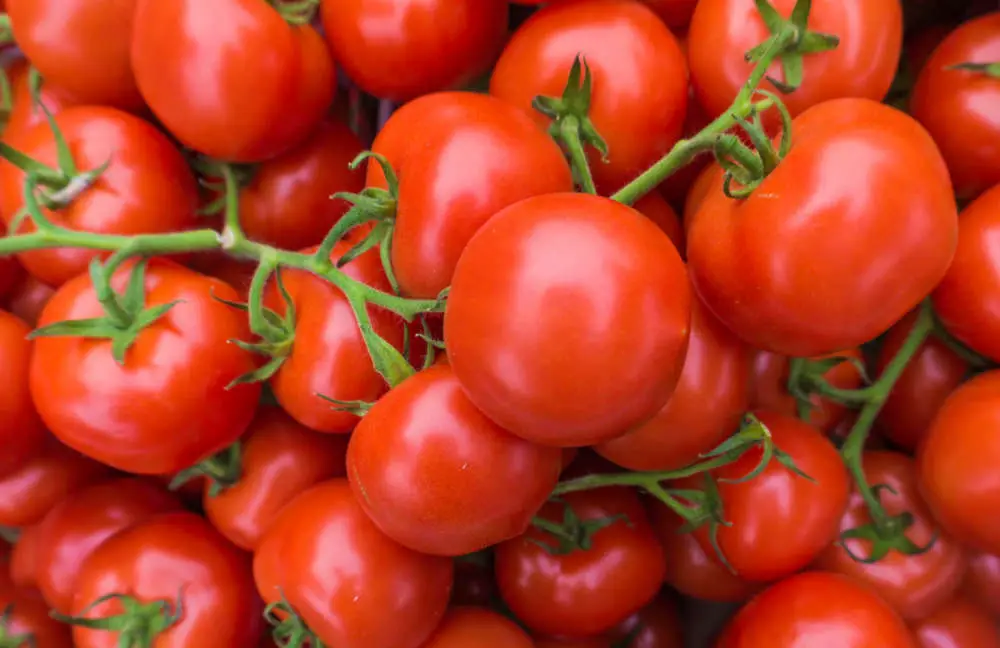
x=817 y=609
x=544 y=357
x=587 y=591
x=657 y=625
x=280 y=459
x=716 y=370
x=27 y=298
x=961 y=108
x=30 y=622
x=958 y=624
x=180 y=559
x=147 y=416
x=656 y=208
x=147 y=187
x=957 y=463
x=22 y=435
x=480 y=484
x=640 y=113
x=401 y=49
x=78 y=525
x=81 y=46
x=345 y=578
x=790 y=268
x=675 y=13
x=471 y=626
x=705 y=183
x=230 y=78
x=982 y=580
x=24 y=114
x=23 y=561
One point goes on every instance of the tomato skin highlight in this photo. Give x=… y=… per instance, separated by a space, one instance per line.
x=472 y=626
x=958 y=624
x=22 y=435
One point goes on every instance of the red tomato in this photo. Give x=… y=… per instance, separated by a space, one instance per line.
x=180 y=559
x=23 y=565
x=656 y=208
x=78 y=525
x=80 y=45
x=706 y=183
x=958 y=624
x=352 y=585
x=817 y=609
x=148 y=416
x=961 y=108
x=401 y=49
x=543 y=357
x=230 y=78
x=982 y=580
x=640 y=80
x=658 y=625
x=24 y=114
x=957 y=463
x=585 y=592
x=22 y=435
x=29 y=621
x=28 y=297
x=790 y=269
x=280 y=459
x=472 y=626
x=716 y=370
x=147 y=188
x=675 y=13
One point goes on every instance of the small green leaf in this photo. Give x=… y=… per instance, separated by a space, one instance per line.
x=261 y=374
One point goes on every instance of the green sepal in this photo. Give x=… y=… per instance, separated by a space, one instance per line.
x=356 y=407
x=137 y=626
x=222 y=470
x=887 y=537
x=573 y=105
x=989 y=69
x=572 y=533
x=802 y=43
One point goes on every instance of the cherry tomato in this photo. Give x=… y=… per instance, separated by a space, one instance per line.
x=24 y=113
x=147 y=187
x=80 y=45
x=23 y=563
x=982 y=580
x=656 y=208
x=401 y=49
x=587 y=591
x=675 y=13
x=958 y=624
x=716 y=370
x=30 y=622
x=657 y=625
x=471 y=626
x=148 y=416
x=179 y=559
x=639 y=114
x=790 y=269
x=961 y=108
x=28 y=297
x=22 y=435
x=345 y=578
x=543 y=356
x=230 y=78
x=280 y=459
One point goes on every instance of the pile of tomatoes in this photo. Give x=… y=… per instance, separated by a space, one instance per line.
x=500 y=323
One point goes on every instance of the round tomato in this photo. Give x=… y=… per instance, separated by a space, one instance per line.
x=472 y=626
x=792 y=268
x=562 y=352
x=28 y=622
x=179 y=560
x=28 y=297
x=280 y=459
x=716 y=370
x=230 y=78
x=147 y=416
x=345 y=579
x=22 y=434
x=657 y=625
x=146 y=189
x=587 y=591
x=23 y=564
x=961 y=108
x=640 y=81
x=24 y=113
x=958 y=624
x=982 y=580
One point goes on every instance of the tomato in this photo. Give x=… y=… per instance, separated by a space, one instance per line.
x=863 y=65
x=960 y=107
x=656 y=208
x=804 y=514
x=790 y=268
x=587 y=591
x=147 y=187
x=704 y=184
x=180 y=559
x=958 y=624
x=280 y=459
x=345 y=578
x=147 y=416
x=639 y=114
x=716 y=370
x=27 y=298
x=562 y=352
x=75 y=527
x=957 y=463
x=658 y=625
x=817 y=609
x=23 y=564
x=230 y=78
x=29 y=621
x=24 y=114
x=471 y=626
x=80 y=45
x=982 y=580
x=968 y=298
x=329 y=356
x=675 y=13
x=401 y=49
x=22 y=434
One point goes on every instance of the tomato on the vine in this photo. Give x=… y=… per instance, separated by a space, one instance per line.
x=27 y=618
x=473 y=626
x=22 y=435
x=959 y=623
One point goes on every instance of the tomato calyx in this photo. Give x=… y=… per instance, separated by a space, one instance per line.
x=222 y=470
x=209 y=173
x=296 y=12
x=800 y=41
x=991 y=70
x=356 y=407
x=290 y=631
x=7 y=638
x=745 y=167
x=885 y=533
x=139 y=623
x=807 y=378
x=572 y=533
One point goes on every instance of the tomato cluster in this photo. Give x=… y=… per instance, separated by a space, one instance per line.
x=501 y=323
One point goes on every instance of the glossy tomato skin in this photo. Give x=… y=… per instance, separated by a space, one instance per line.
x=982 y=580
x=717 y=371
x=239 y=83
x=474 y=626
x=77 y=526
x=80 y=45
x=148 y=416
x=280 y=459
x=960 y=108
x=146 y=189
x=958 y=623
x=22 y=435
x=29 y=616
x=790 y=268
x=401 y=49
x=957 y=463
x=165 y=557
x=544 y=357
x=23 y=112
x=639 y=114
x=585 y=592
x=344 y=578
